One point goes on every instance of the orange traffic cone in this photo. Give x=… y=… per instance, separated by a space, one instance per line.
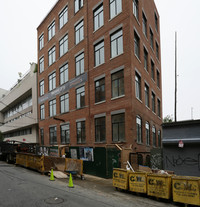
x=70 y=181
x=52 y=177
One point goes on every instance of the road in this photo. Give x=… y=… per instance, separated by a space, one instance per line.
x=20 y=187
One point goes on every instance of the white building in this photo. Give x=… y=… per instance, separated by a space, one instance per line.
x=18 y=110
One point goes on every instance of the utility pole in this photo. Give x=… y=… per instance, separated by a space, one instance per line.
x=175 y=106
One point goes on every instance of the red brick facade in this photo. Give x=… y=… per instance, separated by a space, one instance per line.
x=127 y=61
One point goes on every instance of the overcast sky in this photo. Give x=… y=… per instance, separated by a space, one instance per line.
x=18 y=42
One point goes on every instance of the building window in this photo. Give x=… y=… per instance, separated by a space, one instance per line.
x=51 y=30
x=115 y=7
x=154 y=135
x=153 y=101
x=64 y=103
x=116 y=43
x=137 y=45
x=100 y=129
x=42 y=112
x=79 y=32
x=64 y=74
x=65 y=134
x=145 y=59
x=159 y=138
x=158 y=79
x=156 y=22
x=159 y=110
x=157 y=51
x=118 y=127
x=52 y=81
x=42 y=136
x=63 y=45
x=63 y=17
x=78 y=4
x=80 y=97
x=100 y=90
x=80 y=131
x=152 y=70
x=53 y=135
x=117 y=84
x=146 y=90
x=42 y=88
x=52 y=108
x=79 y=64
x=99 y=53
x=135 y=9
x=139 y=129
x=41 y=41
x=144 y=24
x=52 y=55
x=137 y=86
x=98 y=17
x=151 y=39
x=147 y=127
x=41 y=64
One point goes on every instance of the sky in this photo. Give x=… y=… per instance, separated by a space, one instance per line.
x=18 y=42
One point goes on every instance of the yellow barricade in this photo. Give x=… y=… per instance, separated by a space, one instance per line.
x=159 y=185
x=120 y=178
x=74 y=166
x=138 y=182
x=186 y=190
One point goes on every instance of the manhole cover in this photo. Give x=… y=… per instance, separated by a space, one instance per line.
x=54 y=200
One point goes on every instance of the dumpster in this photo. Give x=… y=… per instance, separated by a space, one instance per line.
x=159 y=185
x=138 y=182
x=186 y=189
x=120 y=178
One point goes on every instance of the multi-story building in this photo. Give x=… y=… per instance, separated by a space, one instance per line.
x=18 y=110
x=99 y=77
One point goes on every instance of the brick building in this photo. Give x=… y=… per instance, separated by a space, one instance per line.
x=99 y=77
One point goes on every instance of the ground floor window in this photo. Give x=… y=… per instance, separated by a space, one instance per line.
x=65 y=134
x=80 y=131
x=118 y=127
x=100 y=129
x=53 y=135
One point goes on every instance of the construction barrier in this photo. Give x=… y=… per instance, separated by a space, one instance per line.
x=186 y=190
x=138 y=182
x=120 y=178
x=74 y=166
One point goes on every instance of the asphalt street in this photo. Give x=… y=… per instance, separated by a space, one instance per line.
x=21 y=187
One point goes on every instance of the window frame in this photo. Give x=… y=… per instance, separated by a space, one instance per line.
x=41 y=87
x=100 y=95
x=41 y=64
x=80 y=96
x=138 y=92
x=146 y=89
x=100 y=129
x=99 y=16
x=65 y=137
x=119 y=81
x=81 y=138
x=42 y=112
x=52 y=108
x=136 y=45
x=147 y=133
x=52 y=55
x=63 y=17
x=136 y=9
x=51 y=30
x=119 y=123
x=63 y=45
x=154 y=135
x=116 y=43
x=99 y=53
x=153 y=102
x=78 y=6
x=52 y=81
x=63 y=72
x=64 y=103
x=41 y=41
x=53 y=135
x=79 y=32
x=79 y=64
x=139 y=129
x=117 y=6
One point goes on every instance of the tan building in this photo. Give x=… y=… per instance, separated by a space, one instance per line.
x=99 y=77
x=18 y=110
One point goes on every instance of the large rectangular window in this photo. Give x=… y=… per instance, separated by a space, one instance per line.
x=115 y=7
x=41 y=64
x=52 y=108
x=64 y=103
x=53 y=135
x=158 y=79
x=156 y=22
x=144 y=24
x=42 y=88
x=52 y=81
x=159 y=138
x=157 y=51
x=79 y=64
x=158 y=108
x=80 y=132
x=63 y=17
x=145 y=59
x=51 y=30
x=137 y=45
x=65 y=134
x=99 y=53
x=147 y=127
x=100 y=129
x=153 y=102
x=64 y=74
x=52 y=55
x=154 y=135
x=151 y=39
x=152 y=70
x=117 y=84
x=80 y=97
x=100 y=90
x=135 y=9
x=98 y=17
x=146 y=90
x=118 y=127
x=63 y=45
x=116 y=43
x=42 y=112
x=42 y=136
x=41 y=41
x=139 y=129
x=77 y=5
x=79 y=32
x=137 y=86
